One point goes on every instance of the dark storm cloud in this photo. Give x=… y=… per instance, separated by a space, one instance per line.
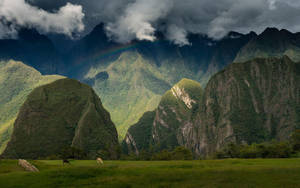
x=129 y=19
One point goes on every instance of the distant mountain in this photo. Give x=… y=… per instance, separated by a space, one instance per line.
x=33 y=49
x=272 y=43
x=131 y=78
x=65 y=113
x=17 y=80
x=251 y=102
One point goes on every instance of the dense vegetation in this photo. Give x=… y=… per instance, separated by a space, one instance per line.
x=239 y=105
x=131 y=79
x=159 y=129
x=272 y=149
x=17 y=80
x=65 y=113
x=202 y=173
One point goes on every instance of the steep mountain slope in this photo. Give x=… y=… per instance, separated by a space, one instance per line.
x=249 y=102
x=133 y=85
x=33 y=49
x=17 y=80
x=131 y=78
x=62 y=114
x=272 y=43
x=170 y=124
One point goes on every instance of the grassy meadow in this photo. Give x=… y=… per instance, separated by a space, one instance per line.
x=203 y=173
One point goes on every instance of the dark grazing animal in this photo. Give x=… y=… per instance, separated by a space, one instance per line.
x=66 y=161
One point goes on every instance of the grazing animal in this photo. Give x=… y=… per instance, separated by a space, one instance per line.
x=99 y=160
x=66 y=161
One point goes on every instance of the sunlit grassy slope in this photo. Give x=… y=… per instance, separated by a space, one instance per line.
x=134 y=85
x=17 y=80
x=207 y=173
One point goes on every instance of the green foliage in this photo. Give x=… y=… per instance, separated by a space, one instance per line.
x=142 y=133
x=72 y=153
x=63 y=113
x=17 y=80
x=295 y=140
x=163 y=155
x=182 y=153
x=136 y=85
x=178 y=153
x=264 y=150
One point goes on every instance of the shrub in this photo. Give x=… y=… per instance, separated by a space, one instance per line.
x=295 y=140
x=182 y=153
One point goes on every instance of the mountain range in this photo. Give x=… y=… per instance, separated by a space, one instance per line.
x=132 y=78
x=249 y=102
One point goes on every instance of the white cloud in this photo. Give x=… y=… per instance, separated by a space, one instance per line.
x=17 y=13
x=138 y=19
x=177 y=35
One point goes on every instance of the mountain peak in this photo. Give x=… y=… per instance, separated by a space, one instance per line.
x=31 y=35
x=270 y=30
x=85 y=125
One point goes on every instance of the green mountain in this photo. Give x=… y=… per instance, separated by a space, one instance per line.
x=247 y=102
x=170 y=124
x=65 y=113
x=271 y=43
x=131 y=78
x=132 y=85
x=17 y=80
x=250 y=103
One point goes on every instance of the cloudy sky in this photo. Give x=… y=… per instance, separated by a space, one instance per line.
x=129 y=19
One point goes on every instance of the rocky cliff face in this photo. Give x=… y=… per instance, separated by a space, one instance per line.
x=250 y=102
x=170 y=124
x=247 y=102
x=65 y=113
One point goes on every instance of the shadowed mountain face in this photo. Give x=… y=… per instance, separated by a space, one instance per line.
x=34 y=50
x=249 y=102
x=65 y=113
x=272 y=43
x=166 y=127
x=17 y=80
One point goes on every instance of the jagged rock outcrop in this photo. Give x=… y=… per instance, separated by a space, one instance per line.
x=169 y=125
x=249 y=102
x=65 y=113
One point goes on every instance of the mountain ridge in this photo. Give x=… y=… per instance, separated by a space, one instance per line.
x=245 y=109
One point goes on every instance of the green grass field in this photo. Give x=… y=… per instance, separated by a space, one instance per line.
x=206 y=173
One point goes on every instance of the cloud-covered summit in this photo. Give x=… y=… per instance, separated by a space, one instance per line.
x=14 y=14
x=126 y=20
